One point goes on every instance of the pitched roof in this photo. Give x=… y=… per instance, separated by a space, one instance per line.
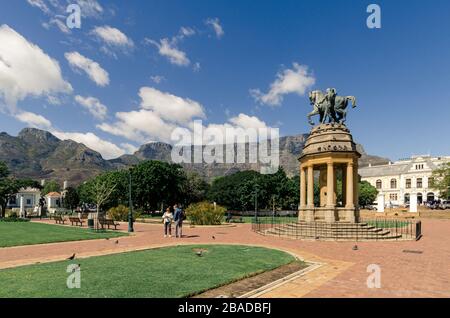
x=53 y=195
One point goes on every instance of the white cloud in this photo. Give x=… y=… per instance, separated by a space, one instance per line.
x=107 y=149
x=90 y=8
x=26 y=70
x=245 y=121
x=33 y=120
x=160 y=113
x=112 y=37
x=58 y=23
x=139 y=126
x=196 y=67
x=186 y=32
x=296 y=80
x=169 y=50
x=40 y=4
x=235 y=127
x=53 y=100
x=215 y=24
x=93 y=105
x=170 y=107
x=129 y=148
x=157 y=79
x=91 y=68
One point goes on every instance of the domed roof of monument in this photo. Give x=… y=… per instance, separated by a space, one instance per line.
x=325 y=138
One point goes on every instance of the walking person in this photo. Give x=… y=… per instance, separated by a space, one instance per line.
x=167 y=220
x=178 y=217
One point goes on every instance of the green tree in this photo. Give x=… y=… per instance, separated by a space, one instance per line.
x=367 y=193
x=236 y=191
x=4 y=171
x=440 y=180
x=155 y=182
x=119 y=194
x=195 y=189
x=50 y=186
x=71 y=199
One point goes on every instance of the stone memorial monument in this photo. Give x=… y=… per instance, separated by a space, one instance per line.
x=328 y=150
x=330 y=154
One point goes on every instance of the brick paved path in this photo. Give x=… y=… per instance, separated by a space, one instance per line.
x=343 y=273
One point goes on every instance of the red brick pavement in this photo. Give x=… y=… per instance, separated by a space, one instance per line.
x=343 y=275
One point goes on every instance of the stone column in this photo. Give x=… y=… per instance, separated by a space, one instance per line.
x=330 y=185
x=413 y=202
x=22 y=208
x=349 y=204
x=355 y=185
x=302 y=187
x=310 y=190
x=344 y=185
x=380 y=202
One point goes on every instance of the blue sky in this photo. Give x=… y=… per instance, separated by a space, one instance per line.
x=215 y=54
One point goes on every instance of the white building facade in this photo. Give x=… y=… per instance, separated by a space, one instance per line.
x=398 y=180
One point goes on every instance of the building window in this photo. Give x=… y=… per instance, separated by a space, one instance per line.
x=13 y=200
x=28 y=201
x=408 y=183
x=393 y=183
x=419 y=183
x=378 y=184
x=430 y=182
x=419 y=167
x=407 y=198
x=393 y=197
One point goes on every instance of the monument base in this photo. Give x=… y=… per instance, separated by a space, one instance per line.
x=329 y=214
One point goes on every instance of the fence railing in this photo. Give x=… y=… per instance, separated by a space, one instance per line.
x=367 y=229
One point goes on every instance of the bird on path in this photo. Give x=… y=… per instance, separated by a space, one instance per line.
x=117 y=241
x=72 y=257
x=213 y=237
x=355 y=248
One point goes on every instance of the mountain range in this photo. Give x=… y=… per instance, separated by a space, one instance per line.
x=39 y=155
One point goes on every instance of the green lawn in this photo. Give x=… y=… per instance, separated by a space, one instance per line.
x=28 y=233
x=164 y=272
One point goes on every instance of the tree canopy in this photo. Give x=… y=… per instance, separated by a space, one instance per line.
x=440 y=180
x=239 y=191
x=9 y=186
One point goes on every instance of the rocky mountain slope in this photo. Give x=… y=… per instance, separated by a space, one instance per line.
x=38 y=154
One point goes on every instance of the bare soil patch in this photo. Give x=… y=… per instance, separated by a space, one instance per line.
x=248 y=284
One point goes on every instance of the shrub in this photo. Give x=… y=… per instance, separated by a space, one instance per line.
x=13 y=219
x=204 y=213
x=119 y=213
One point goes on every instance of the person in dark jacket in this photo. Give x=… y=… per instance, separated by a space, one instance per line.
x=178 y=217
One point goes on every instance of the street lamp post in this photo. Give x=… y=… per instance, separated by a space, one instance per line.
x=130 y=211
x=256 y=202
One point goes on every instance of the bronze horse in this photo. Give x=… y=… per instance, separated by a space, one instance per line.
x=329 y=106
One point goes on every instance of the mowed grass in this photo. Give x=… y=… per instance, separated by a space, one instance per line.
x=28 y=233
x=164 y=272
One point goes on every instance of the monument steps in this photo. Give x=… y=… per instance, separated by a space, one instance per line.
x=339 y=231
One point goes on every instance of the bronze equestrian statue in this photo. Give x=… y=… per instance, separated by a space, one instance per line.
x=329 y=106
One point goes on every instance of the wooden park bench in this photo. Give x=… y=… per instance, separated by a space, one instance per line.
x=76 y=220
x=59 y=219
x=108 y=223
